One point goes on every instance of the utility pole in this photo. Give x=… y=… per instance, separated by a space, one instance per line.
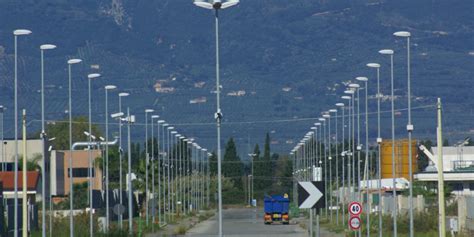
x=442 y=214
x=24 y=197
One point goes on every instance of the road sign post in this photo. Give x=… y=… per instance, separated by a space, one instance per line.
x=310 y=196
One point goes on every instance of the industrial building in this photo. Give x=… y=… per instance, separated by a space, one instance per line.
x=458 y=168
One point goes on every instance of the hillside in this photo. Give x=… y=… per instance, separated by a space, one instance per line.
x=281 y=60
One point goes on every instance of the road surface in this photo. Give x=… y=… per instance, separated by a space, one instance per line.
x=246 y=223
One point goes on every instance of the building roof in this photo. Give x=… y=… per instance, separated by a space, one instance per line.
x=8 y=179
x=454 y=150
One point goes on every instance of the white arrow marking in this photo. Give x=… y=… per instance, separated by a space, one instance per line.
x=314 y=195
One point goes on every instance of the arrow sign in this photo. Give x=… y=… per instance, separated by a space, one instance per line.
x=310 y=194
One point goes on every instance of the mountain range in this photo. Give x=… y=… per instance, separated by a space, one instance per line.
x=282 y=63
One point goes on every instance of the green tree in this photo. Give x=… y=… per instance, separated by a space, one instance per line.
x=232 y=165
x=60 y=131
x=32 y=164
x=267 y=162
x=258 y=170
x=213 y=163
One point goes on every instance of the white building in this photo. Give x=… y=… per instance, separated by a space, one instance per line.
x=458 y=168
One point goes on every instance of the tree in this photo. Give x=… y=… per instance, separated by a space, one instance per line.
x=31 y=164
x=258 y=170
x=60 y=131
x=267 y=162
x=232 y=166
x=213 y=163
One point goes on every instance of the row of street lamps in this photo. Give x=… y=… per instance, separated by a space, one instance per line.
x=198 y=167
x=307 y=159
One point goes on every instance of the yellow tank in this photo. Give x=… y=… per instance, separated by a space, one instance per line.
x=401 y=158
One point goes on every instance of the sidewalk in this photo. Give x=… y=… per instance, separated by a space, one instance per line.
x=182 y=225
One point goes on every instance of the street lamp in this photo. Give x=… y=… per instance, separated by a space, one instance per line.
x=129 y=120
x=216 y=5
x=70 y=62
x=90 y=77
x=176 y=170
x=410 y=127
x=355 y=88
x=107 y=220
x=16 y=33
x=365 y=80
x=43 y=48
x=349 y=152
x=168 y=169
x=165 y=165
x=153 y=171
x=122 y=94
x=160 y=122
x=147 y=155
x=379 y=141
x=337 y=165
x=323 y=120
x=390 y=53
x=340 y=105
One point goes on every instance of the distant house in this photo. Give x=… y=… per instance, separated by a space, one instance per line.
x=237 y=93
x=8 y=180
x=198 y=100
x=286 y=89
x=199 y=84
x=160 y=88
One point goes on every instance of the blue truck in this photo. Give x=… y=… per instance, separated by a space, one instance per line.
x=276 y=208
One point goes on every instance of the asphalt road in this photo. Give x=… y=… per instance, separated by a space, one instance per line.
x=245 y=222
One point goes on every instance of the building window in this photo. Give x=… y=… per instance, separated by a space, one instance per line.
x=80 y=172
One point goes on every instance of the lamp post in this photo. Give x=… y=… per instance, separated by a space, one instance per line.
x=209 y=179
x=164 y=133
x=147 y=156
x=323 y=120
x=365 y=80
x=168 y=164
x=91 y=219
x=153 y=172
x=337 y=166
x=107 y=212
x=43 y=48
x=379 y=141
x=355 y=87
x=185 y=176
x=130 y=119
x=341 y=105
x=70 y=62
x=177 y=171
x=122 y=94
x=390 y=53
x=173 y=172
x=217 y=5
x=160 y=122
x=252 y=157
x=16 y=33
x=410 y=128
x=350 y=153
x=329 y=158
x=189 y=151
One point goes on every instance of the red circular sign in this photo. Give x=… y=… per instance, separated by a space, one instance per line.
x=355 y=208
x=354 y=222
